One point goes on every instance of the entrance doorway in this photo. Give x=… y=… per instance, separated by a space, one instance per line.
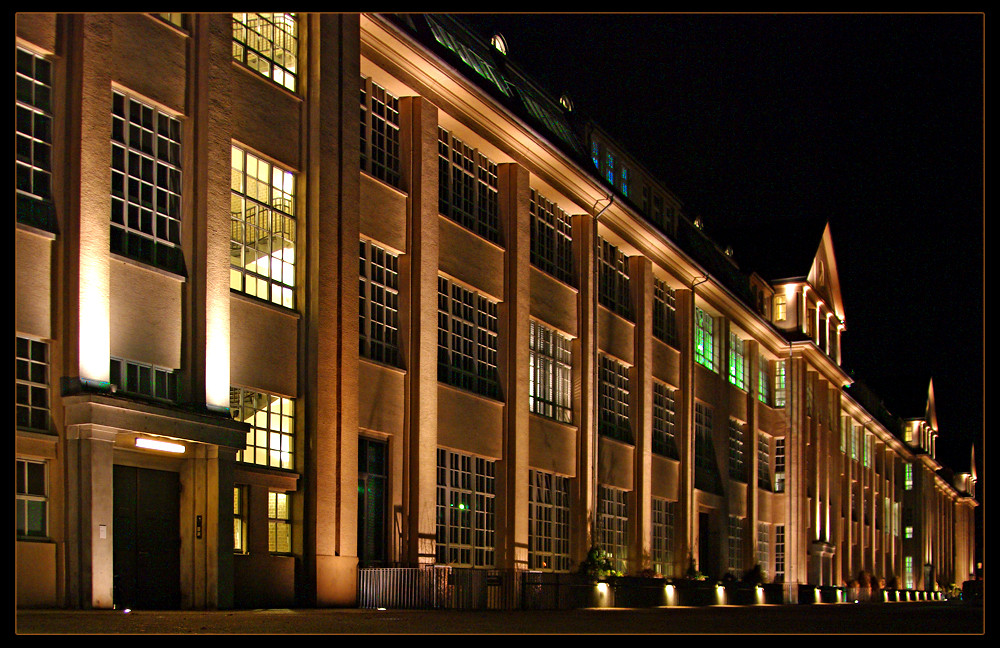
x=146 y=539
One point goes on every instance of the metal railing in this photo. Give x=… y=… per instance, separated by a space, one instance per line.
x=441 y=587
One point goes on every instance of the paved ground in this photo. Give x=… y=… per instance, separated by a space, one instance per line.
x=887 y=618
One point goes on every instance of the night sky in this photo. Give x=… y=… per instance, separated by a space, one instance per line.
x=782 y=123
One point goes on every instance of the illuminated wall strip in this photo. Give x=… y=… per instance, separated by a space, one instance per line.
x=165 y=446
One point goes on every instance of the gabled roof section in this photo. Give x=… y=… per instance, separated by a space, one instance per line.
x=823 y=274
x=931 y=411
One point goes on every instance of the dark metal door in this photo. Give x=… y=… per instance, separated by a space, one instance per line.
x=146 y=538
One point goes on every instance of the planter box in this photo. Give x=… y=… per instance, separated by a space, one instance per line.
x=774 y=593
x=640 y=592
x=741 y=595
x=696 y=593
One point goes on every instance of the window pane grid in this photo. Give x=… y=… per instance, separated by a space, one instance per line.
x=548 y=521
x=764 y=381
x=270 y=441
x=780 y=304
x=262 y=241
x=372 y=490
x=735 y=562
x=378 y=309
x=779 y=465
x=703 y=436
x=145 y=183
x=279 y=526
x=779 y=383
x=31 y=383
x=267 y=43
x=141 y=379
x=467 y=340
x=550 y=380
x=664 y=313
x=614 y=400
x=704 y=339
x=663 y=536
x=33 y=140
x=31 y=499
x=612 y=524
x=240 y=519
x=764 y=548
x=737 y=460
x=613 y=280
x=466 y=513
x=706 y=470
x=551 y=239
x=380 y=152
x=764 y=461
x=779 y=553
x=737 y=362
x=664 y=429
x=468 y=188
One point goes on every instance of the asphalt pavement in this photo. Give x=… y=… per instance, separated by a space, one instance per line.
x=948 y=617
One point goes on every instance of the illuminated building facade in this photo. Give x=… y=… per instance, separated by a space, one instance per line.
x=269 y=336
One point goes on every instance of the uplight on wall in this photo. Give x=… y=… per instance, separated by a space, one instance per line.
x=163 y=446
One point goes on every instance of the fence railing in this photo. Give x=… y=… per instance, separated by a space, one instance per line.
x=463 y=588
x=442 y=587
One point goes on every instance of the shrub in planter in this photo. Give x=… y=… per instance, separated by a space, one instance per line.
x=599 y=565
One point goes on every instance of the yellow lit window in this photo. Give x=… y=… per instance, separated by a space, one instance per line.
x=780 y=306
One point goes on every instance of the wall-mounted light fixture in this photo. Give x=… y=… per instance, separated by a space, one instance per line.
x=154 y=444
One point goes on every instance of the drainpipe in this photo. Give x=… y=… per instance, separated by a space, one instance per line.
x=595 y=436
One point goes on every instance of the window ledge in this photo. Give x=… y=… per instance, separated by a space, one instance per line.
x=148 y=268
x=468 y=392
x=382 y=365
x=267 y=80
x=38 y=435
x=37 y=231
x=569 y=426
x=382 y=183
x=277 y=308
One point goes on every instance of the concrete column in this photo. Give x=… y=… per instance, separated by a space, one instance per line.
x=87 y=238
x=219 y=594
x=752 y=349
x=90 y=514
x=207 y=528
x=512 y=470
x=584 y=389
x=687 y=509
x=641 y=409
x=329 y=235
x=207 y=224
x=418 y=325
x=797 y=520
x=872 y=504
